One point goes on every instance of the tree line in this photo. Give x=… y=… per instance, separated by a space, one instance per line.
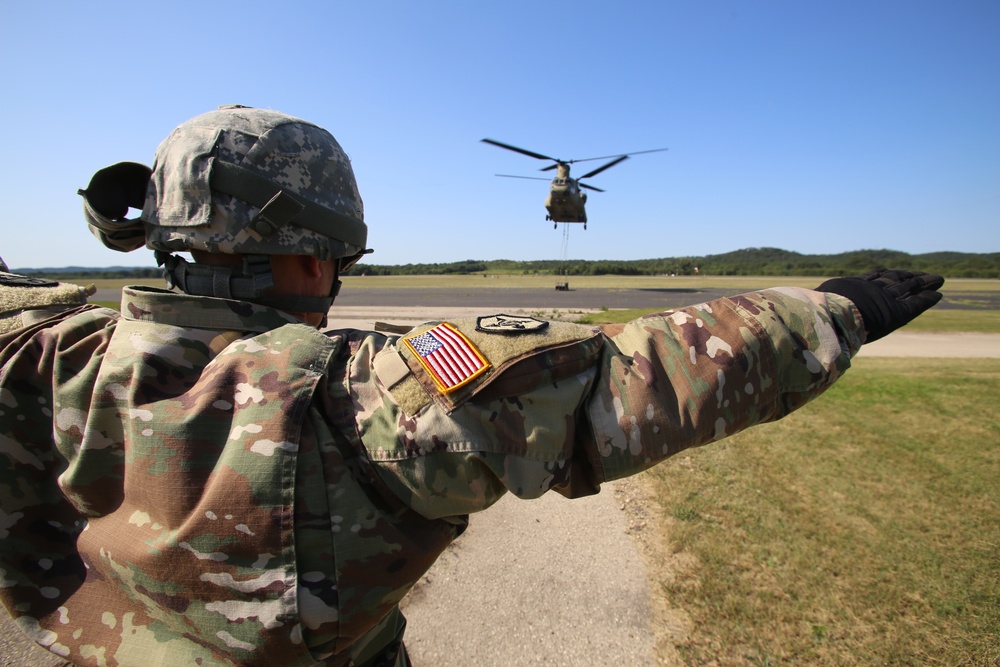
x=745 y=262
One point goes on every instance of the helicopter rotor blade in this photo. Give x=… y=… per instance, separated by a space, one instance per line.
x=530 y=178
x=651 y=150
x=589 y=187
x=605 y=157
x=519 y=150
x=602 y=168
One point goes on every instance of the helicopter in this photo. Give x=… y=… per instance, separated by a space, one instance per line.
x=567 y=201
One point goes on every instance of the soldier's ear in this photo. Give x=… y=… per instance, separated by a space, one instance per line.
x=302 y=269
x=313 y=267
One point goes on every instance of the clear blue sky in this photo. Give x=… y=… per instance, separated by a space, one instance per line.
x=818 y=127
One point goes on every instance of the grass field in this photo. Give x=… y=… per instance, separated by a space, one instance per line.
x=862 y=530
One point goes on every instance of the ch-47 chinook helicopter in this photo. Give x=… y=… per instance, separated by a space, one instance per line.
x=567 y=201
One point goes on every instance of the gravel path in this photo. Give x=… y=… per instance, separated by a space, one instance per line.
x=542 y=582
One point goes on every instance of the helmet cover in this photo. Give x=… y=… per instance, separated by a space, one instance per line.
x=266 y=155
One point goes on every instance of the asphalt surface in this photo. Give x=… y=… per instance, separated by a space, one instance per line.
x=548 y=581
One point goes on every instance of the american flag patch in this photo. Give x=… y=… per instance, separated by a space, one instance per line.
x=450 y=358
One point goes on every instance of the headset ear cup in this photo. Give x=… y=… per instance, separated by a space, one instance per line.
x=115 y=189
x=107 y=199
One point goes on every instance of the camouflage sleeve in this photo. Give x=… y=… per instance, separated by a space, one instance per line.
x=602 y=404
x=63 y=351
x=699 y=374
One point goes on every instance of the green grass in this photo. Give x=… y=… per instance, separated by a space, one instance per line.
x=977 y=321
x=864 y=529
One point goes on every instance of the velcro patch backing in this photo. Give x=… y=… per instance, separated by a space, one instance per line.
x=534 y=357
x=22 y=293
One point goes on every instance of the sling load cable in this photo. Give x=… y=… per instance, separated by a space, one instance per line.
x=564 y=252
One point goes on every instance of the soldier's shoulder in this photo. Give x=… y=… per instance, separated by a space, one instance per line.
x=491 y=355
x=28 y=299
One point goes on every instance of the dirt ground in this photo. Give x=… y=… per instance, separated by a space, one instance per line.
x=543 y=582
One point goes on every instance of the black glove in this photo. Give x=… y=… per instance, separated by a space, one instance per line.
x=887 y=298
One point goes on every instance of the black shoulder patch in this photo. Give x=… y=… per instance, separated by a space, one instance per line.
x=15 y=280
x=509 y=325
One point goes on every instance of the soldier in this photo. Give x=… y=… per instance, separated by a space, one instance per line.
x=207 y=478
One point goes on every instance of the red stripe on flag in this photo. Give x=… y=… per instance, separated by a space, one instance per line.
x=463 y=356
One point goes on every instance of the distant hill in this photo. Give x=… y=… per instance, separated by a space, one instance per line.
x=745 y=262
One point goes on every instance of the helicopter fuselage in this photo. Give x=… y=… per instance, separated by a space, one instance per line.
x=566 y=202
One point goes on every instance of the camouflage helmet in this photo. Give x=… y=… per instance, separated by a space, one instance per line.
x=239 y=181
x=253 y=181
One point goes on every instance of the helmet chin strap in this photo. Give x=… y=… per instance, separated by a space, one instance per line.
x=247 y=282
x=334 y=291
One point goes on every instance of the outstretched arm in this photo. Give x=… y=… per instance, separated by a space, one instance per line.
x=698 y=374
x=633 y=395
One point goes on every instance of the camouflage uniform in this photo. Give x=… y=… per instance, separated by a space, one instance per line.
x=207 y=481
